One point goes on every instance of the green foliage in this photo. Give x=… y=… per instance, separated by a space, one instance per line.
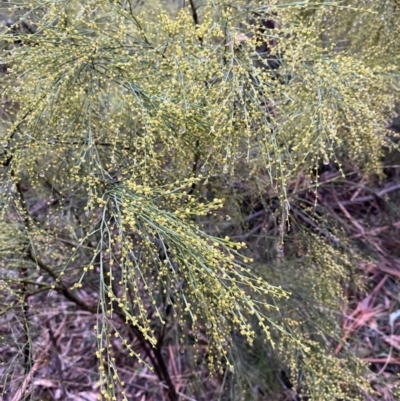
x=132 y=123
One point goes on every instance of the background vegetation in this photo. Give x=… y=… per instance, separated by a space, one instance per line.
x=199 y=200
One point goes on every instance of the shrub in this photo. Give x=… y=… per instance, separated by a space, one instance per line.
x=125 y=130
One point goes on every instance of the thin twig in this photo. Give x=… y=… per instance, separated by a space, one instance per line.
x=21 y=393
